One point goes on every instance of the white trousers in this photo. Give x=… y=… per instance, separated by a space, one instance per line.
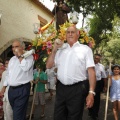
x=8 y=113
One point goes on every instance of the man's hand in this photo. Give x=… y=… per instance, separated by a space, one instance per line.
x=19 y=52
x=37 y=80
x=89 y=100
x=2 y=91
x=58 y=43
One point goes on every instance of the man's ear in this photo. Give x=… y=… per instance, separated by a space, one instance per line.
x=78 y=33
x=23 y=48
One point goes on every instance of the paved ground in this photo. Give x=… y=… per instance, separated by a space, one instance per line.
x=50 y=108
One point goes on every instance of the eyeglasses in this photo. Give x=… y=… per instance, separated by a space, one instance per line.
x=70 y=32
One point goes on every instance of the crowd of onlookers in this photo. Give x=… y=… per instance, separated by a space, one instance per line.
x=78 y=74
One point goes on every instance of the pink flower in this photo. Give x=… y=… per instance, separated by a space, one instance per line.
x=49 y=44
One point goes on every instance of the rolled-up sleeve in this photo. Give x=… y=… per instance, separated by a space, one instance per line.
x=89 y=59
x=27 y=63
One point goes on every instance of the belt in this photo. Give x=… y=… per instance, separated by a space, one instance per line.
x=14 y=87
x=84 y=81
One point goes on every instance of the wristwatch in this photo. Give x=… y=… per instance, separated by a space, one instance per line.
x=92 y=92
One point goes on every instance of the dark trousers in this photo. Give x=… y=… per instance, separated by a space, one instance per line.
x=18 y=97
x=93 y=112
x=70 y=101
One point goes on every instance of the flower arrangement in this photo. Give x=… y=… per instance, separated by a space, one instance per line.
x=44 y=42
x=85 y=39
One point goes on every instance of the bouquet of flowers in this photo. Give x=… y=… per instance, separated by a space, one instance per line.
x=43 y=44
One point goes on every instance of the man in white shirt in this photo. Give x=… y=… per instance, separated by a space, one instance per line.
x=18 y=77
x=72 y=86
x=100 y=86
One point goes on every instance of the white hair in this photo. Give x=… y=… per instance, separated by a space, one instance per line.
x=21 y=43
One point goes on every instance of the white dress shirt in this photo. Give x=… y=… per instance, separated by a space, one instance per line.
x=72 y=63
x=100 y=71
x=19 y=72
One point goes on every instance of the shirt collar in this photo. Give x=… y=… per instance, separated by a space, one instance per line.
x=75 y=44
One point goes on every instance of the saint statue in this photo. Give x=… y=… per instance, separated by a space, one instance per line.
x=61 y=10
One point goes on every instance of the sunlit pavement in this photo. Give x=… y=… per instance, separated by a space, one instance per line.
x=50 y=108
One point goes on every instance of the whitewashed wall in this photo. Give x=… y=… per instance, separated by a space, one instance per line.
x=18 y=17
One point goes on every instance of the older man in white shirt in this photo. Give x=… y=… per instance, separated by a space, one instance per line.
x=72 y=87
x=18 y=77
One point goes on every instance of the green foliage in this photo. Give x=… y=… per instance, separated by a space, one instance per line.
x=113 y=46
x=93 y=6
x=113 y=50
x=103 y=12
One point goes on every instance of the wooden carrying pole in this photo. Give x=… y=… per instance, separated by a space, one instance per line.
x=34 y=96
x=107 y=97
x=33 y=101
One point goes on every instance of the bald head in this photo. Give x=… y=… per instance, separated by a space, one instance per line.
x=72 y=35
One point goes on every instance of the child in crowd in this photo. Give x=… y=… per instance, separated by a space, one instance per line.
x=115 y=90
x=40 y=79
